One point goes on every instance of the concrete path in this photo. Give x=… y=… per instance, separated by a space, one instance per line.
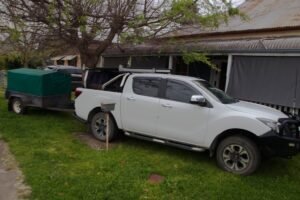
x=11 y=178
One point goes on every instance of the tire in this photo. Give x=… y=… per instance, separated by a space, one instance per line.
x=17 y=106
x=97 y=127
x=238 y=155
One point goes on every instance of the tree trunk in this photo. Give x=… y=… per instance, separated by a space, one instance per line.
x=25 y=61
x=89 y=59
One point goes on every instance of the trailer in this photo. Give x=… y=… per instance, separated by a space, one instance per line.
x=38 y=88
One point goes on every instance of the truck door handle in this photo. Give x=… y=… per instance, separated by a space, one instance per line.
x=166 y=105
x=130 y=98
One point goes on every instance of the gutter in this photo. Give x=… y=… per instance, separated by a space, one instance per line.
x=224 y=52
x=236 y=32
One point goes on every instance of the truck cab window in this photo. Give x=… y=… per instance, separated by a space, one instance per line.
x=178 y=91
x=146 y=86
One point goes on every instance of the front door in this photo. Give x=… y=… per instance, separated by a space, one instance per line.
x=178 y=119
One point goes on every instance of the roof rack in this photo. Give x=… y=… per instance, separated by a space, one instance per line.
x=130 y=70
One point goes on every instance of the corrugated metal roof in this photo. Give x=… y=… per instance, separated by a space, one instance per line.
x=226 y=46
x=262 y=14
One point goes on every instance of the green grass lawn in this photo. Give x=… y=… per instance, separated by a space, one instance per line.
x=58 y=166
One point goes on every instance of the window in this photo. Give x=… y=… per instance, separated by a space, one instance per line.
x=97 y=78
x=181 y=92
x=146 y=86
x=115 y=62
x=60 y=62
x=150 y=62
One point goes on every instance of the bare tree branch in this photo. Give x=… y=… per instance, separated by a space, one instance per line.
x=80 y=22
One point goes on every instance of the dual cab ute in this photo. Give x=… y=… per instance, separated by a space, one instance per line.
x=189 y=113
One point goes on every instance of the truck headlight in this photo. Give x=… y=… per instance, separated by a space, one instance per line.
x=270 y=123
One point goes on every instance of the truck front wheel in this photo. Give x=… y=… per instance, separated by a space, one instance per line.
x=98 y=125
x=238 y=155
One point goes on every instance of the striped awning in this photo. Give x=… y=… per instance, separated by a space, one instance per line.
x=57 y=58
x=69 y=57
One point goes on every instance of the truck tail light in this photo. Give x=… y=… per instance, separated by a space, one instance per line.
x=77 y=92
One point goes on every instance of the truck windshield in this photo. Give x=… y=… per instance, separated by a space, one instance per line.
x=221 y=95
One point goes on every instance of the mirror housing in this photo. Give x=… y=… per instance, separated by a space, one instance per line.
x=198 y=99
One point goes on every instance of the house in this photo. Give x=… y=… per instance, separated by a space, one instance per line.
x=258 y=58
x=72 y=60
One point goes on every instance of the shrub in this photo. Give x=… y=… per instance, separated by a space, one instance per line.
x=13 y=62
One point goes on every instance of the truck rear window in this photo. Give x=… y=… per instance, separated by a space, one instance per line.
x=146 y=86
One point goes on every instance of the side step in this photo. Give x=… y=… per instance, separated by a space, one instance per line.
x=166 y=142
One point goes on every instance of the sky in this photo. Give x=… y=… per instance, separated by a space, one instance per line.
x=238 y=2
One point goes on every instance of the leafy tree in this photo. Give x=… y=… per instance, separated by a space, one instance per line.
x=190 y=57
x=2 y=62
x=79 y=23
x=12 y=61
x=28 y=42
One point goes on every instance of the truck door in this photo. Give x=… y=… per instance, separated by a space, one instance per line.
x=178 y=119
x=140 y=104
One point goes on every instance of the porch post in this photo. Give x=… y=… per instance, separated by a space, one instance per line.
x=129 y=62
x=170 y=63
x=101 y=62
x=229 y=64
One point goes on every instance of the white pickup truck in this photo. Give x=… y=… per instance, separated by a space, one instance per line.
x=189 y=113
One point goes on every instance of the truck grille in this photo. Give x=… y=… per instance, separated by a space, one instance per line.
x=289 y=128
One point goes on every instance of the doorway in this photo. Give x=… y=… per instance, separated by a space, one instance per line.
x=201 y=70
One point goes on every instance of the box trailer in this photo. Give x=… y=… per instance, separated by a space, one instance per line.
x=38 y=88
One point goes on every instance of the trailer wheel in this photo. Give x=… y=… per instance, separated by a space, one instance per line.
x=17 y=106
x=97 y=126
x=238 y=155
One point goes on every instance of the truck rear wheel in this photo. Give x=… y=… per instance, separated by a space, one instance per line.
x=97 y=126
x=238 y=155
x=17 y=106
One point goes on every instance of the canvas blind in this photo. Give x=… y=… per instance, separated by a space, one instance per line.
x=266 y=79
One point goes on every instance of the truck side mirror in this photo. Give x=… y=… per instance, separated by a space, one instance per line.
x=198 y=99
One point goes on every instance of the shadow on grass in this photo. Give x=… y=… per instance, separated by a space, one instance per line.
x=42 y=112
x=32 y=111
x=170 y=151
x=274 y=166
